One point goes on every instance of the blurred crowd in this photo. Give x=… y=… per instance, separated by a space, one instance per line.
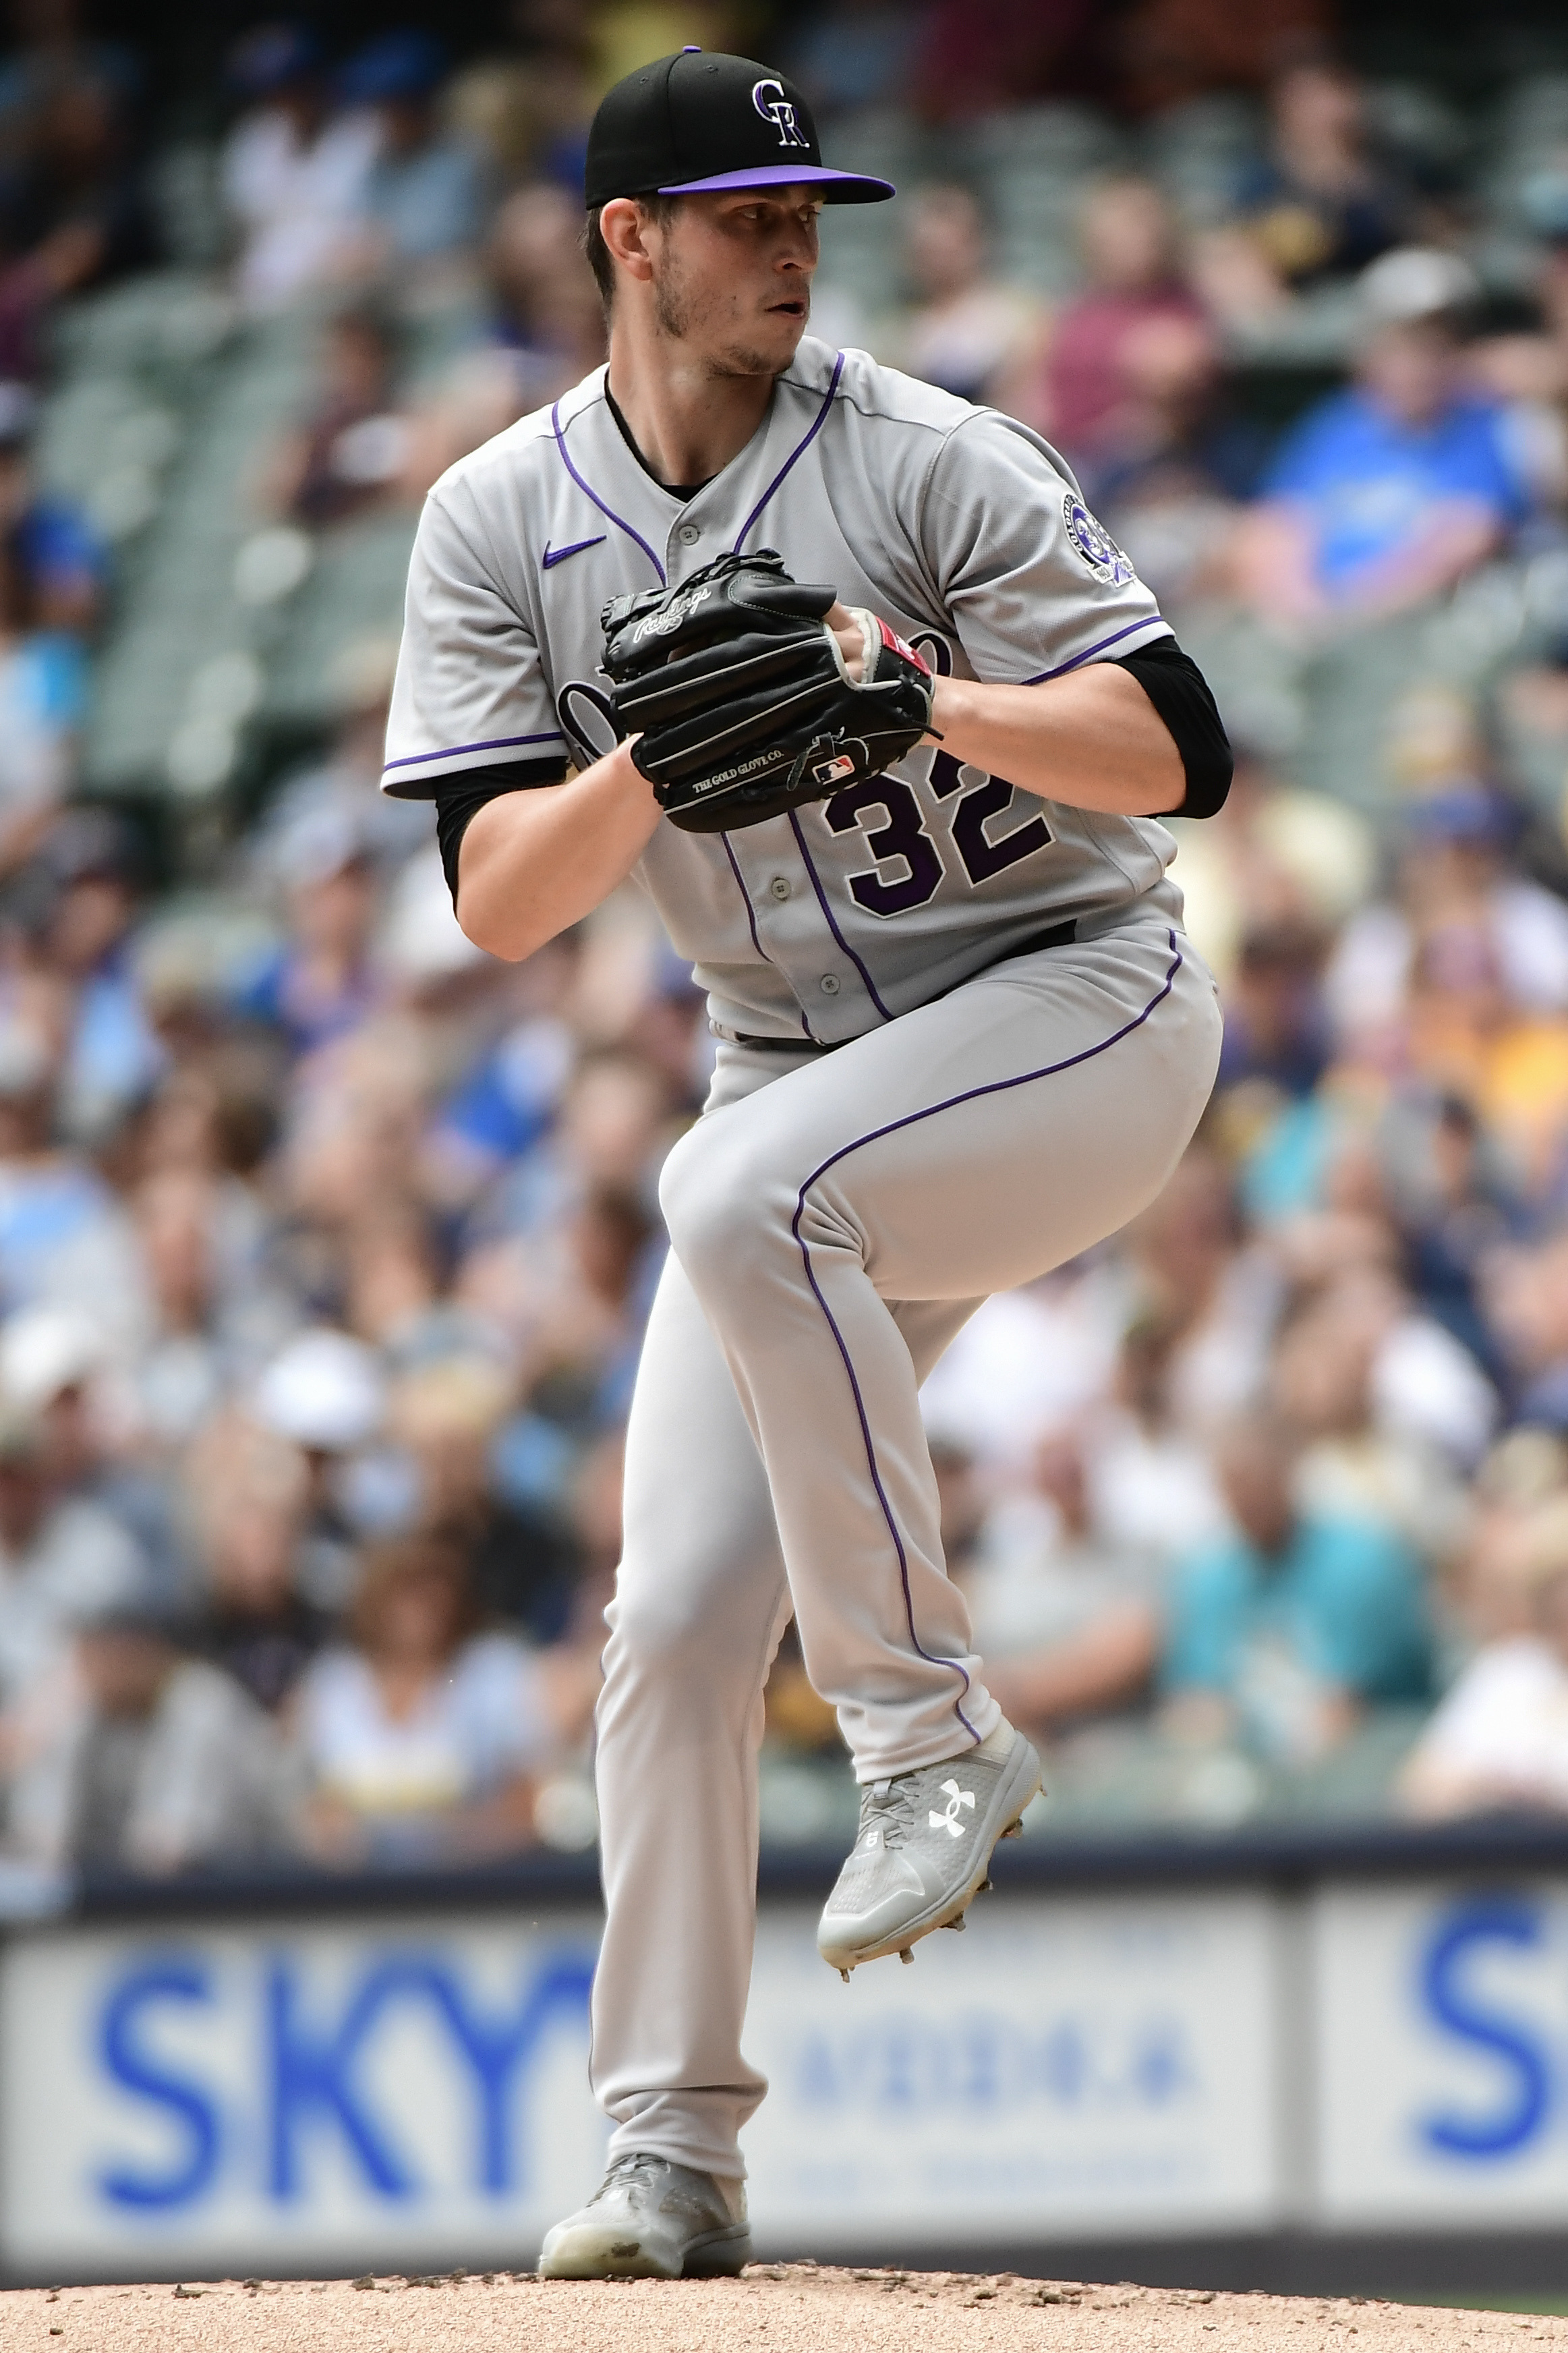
x=326 y=1241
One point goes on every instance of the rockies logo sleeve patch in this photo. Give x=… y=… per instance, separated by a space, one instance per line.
x=1094 y=544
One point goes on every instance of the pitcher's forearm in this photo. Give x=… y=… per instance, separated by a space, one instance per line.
x=1092 y=740
x=534 y=862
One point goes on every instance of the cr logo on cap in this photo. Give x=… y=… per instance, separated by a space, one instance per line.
x=771 y=103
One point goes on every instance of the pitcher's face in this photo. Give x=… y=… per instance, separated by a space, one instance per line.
x=732 y=275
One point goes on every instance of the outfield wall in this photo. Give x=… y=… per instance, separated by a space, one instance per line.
x=1247 y=2044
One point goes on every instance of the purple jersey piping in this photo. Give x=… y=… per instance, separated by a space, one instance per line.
x=832 y=925
x=619 y=520
x=453 y=751
x=801 y=447
x=911 y=1119
x=751 y=918
x=745 y=898
x=1152 y=620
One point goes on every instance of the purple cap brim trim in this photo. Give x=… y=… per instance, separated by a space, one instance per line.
x=786 y=176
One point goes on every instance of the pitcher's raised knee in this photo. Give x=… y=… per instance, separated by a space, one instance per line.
x=727 y=1211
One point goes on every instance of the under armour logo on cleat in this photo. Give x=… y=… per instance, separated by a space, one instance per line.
x=948 y=1819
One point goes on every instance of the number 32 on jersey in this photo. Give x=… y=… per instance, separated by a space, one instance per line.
x=902 y=839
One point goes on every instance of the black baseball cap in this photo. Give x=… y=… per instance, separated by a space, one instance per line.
x=700 y=120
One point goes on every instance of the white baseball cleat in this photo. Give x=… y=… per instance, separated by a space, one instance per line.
x=650 y=2218
x=923 y=1849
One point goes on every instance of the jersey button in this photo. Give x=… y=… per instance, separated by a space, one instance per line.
x=830 y=984
x=780 y=886
x=688 y=535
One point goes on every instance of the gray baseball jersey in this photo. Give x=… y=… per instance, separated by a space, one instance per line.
x=960 y=526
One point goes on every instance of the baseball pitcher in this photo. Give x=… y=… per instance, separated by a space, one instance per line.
x=843 y=673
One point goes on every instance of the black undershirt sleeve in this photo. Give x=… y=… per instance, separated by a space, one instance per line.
x=1180 y=693
x=456 y=798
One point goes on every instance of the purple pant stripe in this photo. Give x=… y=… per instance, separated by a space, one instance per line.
x=971 y=1094
x=876 y=1480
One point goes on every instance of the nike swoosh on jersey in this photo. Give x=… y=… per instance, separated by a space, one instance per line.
x=553 y=556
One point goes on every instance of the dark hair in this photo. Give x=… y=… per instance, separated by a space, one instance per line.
x=397 y=1561
x=657 y=207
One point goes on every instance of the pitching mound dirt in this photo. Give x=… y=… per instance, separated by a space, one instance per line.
x=774 y=2309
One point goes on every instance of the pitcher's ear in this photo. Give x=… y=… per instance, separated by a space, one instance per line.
x=622 y=223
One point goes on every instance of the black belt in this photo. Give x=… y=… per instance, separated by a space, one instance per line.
x=1054 y=935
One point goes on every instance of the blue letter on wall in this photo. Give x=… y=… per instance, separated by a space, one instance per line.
x=125 y=2059
x=312 y=2074
x=1521 y=2109
x=496 y=2048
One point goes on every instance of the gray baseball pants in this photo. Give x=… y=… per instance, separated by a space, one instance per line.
x=834 y=1219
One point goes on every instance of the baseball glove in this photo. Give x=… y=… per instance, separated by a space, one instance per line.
x=736 y=690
